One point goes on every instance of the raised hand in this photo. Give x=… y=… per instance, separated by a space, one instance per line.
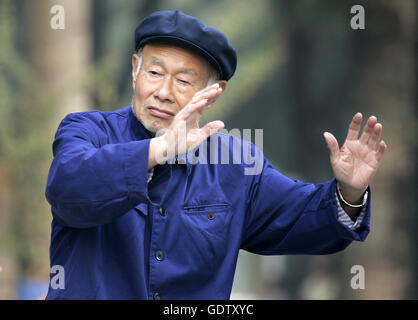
x=184 y=132
x=355 y=164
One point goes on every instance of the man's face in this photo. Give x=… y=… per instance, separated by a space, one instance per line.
x=168 y=79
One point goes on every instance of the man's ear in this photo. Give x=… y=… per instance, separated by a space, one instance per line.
x=135 y=60
x=222 y=84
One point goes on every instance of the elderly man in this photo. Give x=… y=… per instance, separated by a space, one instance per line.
x=133 y=218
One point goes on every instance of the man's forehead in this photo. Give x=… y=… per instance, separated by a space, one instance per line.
x=192 y=63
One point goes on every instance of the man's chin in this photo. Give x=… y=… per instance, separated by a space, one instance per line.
x=156 y=129
x=154 y=125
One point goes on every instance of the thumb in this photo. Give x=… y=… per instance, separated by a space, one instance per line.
x=201 y=134
x=332 y=144
x=212 y=127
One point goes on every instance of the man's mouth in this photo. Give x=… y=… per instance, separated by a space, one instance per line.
x=160 y=113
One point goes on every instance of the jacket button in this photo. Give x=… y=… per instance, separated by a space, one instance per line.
x=159 y=255
x=162 y=212
x=211 y=215
x=157 y=296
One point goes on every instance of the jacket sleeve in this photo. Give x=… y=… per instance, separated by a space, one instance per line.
x=287 y=216
x=89 y=184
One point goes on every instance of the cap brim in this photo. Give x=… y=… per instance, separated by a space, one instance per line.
x=185 y=43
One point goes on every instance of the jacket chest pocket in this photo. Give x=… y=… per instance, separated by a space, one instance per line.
x=206 y=230
x=207 y=212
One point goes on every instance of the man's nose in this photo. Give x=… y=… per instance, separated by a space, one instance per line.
x=164 y=92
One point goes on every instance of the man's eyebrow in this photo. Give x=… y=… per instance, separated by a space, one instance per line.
x=188 y=71
x=158 y=62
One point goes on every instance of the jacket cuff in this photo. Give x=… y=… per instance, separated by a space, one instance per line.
x=362 y=229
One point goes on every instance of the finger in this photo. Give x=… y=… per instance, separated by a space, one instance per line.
x=211 y=128
x=191 y=108
x=210 y=94
x=332 y=144
x=211 y=101
x=368 y=129
x=381 y=151
x=201 y=134
x=204 y=108
x=354 y=127
x=375 y=137
x=196 y=105
x=212 y=87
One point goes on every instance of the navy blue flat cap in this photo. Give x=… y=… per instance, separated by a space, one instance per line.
x=179 y=28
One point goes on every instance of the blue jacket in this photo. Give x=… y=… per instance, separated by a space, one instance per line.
x=117 y=236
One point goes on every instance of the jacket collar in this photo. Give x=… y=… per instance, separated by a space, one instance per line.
x=136 y=126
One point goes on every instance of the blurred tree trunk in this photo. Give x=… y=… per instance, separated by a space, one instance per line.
x=59 y=60
x=61 y=57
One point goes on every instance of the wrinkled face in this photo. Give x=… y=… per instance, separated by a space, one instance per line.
x=168 y=79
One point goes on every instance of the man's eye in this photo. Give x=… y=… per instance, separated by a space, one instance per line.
x=184 y=82
x=154 y=73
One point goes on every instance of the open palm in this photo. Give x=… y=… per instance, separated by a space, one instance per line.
x=355 y=164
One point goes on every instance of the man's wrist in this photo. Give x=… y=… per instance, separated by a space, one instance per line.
x=352 y=196
x=353 y=207
x=157 y=153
